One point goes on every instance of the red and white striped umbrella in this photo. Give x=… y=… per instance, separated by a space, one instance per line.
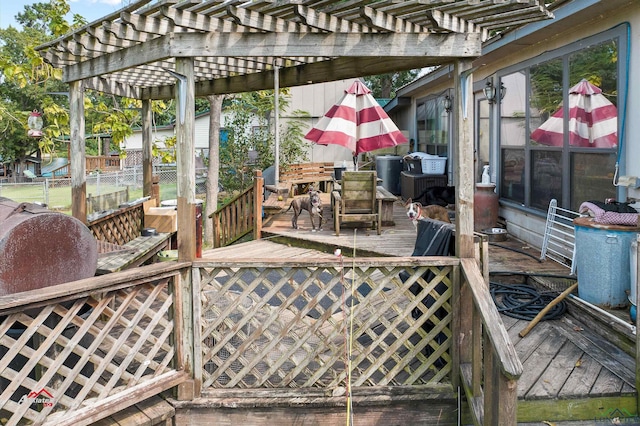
x=357 y=122
x=593 y=120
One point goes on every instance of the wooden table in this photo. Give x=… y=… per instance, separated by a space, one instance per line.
x=132 y=254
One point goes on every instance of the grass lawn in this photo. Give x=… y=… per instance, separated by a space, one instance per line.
x=56 y=198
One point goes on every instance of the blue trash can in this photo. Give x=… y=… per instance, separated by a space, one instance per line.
x=603 y=263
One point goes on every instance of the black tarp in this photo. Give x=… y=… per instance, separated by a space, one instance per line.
x=434 y=238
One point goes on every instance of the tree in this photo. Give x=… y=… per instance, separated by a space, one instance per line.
x=30 y=83
x=213 y=167
x=26 y=77
x=385 y=85
x=250 y=125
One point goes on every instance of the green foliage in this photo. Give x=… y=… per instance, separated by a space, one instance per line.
x=250 y=125
x=385 y=85
x=28 y=83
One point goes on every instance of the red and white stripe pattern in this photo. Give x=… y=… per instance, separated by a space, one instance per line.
x=357 y=122
x=593 y=120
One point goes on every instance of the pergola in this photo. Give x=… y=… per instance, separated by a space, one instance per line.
x=186 y=49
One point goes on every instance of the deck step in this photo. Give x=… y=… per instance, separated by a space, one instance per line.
x=150 y=412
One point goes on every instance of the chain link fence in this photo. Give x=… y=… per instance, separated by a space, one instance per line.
x=56 y=193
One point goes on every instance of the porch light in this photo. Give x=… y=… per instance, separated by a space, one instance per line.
x=35 y=124
x=448 y=103
x=494 y=94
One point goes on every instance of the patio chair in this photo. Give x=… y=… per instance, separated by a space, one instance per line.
x=356 y=201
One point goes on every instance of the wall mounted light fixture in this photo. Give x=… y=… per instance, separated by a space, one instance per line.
x=448 y=103
x=494 y=94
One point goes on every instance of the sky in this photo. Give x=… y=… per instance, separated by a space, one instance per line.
x=89 y=9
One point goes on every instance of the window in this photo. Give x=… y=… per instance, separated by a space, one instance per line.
x=539 y=138
x=482 y=136
x=433 y=125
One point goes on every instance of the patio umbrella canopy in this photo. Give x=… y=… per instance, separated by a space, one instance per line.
x=593 y=120
x=357 y=122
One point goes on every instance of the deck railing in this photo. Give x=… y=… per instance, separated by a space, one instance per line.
x=303 y=331
x=489 y=365
x=119 y=227
x=240 y=216
x=103 y=163
x=319 y=324
x=102 y=202
x=78 y=352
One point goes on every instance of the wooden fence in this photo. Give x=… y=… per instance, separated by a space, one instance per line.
x=306 y=331
x=78 y=352
x=489 y=365
x=110 y=201
x=403 y=322
x=240 y=216
x=102 y=163
x=119 y=227
x=306 y=324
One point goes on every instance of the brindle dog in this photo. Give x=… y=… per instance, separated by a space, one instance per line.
x=312 y=204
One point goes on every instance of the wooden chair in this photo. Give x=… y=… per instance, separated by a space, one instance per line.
x=356 y=201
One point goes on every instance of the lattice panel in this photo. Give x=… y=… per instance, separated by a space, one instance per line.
x=64 y=357
x=292 y=327
x=120 y=227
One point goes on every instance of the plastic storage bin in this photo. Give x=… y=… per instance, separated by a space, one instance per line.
x=388 y=168
x=433 y=166
x=603 y=263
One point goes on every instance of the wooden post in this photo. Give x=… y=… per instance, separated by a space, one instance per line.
x=637 y=254
x=186 y=193
x=489 y=370
x=463 y=153
x=78 y=152
x=507 y=396
x=258 y=193
x=464 y=182
x=147 y=159
x=185 y=153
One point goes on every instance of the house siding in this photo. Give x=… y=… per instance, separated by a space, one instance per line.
x=574 y=22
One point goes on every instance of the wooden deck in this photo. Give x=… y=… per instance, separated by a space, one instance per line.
x=569 y=368
x=132 y=254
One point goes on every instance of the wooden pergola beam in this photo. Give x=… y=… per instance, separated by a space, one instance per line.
x=372 y=45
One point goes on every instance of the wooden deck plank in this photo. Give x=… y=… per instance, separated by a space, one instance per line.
x=610 y=357
x=157 y=409
x=534 y=365
x=138 y=251
x=526 y=347
x=152 y=411
x=555 y=375
x=607 y=383
x=131 y=416
x=582 y=378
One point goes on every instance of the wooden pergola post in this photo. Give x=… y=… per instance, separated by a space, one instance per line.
x=185 y=158
x=186 y=193
x=78 y=152
x=464 y=183
x=147 y=158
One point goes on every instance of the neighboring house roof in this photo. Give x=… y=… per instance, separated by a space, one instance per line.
x=54 y=164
